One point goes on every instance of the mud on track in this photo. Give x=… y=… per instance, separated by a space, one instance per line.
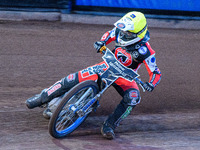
x=34 y=55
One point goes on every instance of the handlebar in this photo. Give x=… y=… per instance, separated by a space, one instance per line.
x=138 y=81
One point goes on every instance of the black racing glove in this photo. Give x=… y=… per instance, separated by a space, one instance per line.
x=98 y=45
x=148 y=86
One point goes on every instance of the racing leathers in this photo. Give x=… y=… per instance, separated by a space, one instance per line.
x=131 y=56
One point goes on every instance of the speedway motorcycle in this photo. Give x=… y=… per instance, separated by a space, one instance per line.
x=76 y=104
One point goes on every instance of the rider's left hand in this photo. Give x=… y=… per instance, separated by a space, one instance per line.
x=98 y=45
x=148 y=86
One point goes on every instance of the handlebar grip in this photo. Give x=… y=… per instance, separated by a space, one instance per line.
x=103 y=48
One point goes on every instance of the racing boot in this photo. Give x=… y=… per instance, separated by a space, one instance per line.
x=36 y=100
x=121 y=112
x=58 y=89
x=107 y=131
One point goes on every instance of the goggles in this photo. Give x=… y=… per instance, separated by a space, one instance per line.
x=127 y=34
x=131 y=35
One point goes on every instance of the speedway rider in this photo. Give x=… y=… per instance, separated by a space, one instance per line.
x=131 y=49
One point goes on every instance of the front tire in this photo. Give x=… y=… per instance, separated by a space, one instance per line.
x=65 y=119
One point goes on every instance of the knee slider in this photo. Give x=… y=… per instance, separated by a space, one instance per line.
x=132 y=97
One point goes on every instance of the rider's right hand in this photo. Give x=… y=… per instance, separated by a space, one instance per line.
x=98 y=45
x=148 y=86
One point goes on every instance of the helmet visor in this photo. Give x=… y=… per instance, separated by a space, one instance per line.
x=127 y=35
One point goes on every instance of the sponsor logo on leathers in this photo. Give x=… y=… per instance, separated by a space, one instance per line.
x=124 y=57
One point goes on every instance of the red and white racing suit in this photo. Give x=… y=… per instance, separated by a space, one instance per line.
x=131 y=56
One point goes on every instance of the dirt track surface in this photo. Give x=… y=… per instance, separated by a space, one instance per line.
x=34 y=55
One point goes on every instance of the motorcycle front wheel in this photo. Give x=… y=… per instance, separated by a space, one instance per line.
x=65 y=119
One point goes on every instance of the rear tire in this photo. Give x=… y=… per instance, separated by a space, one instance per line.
x=64 y=120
